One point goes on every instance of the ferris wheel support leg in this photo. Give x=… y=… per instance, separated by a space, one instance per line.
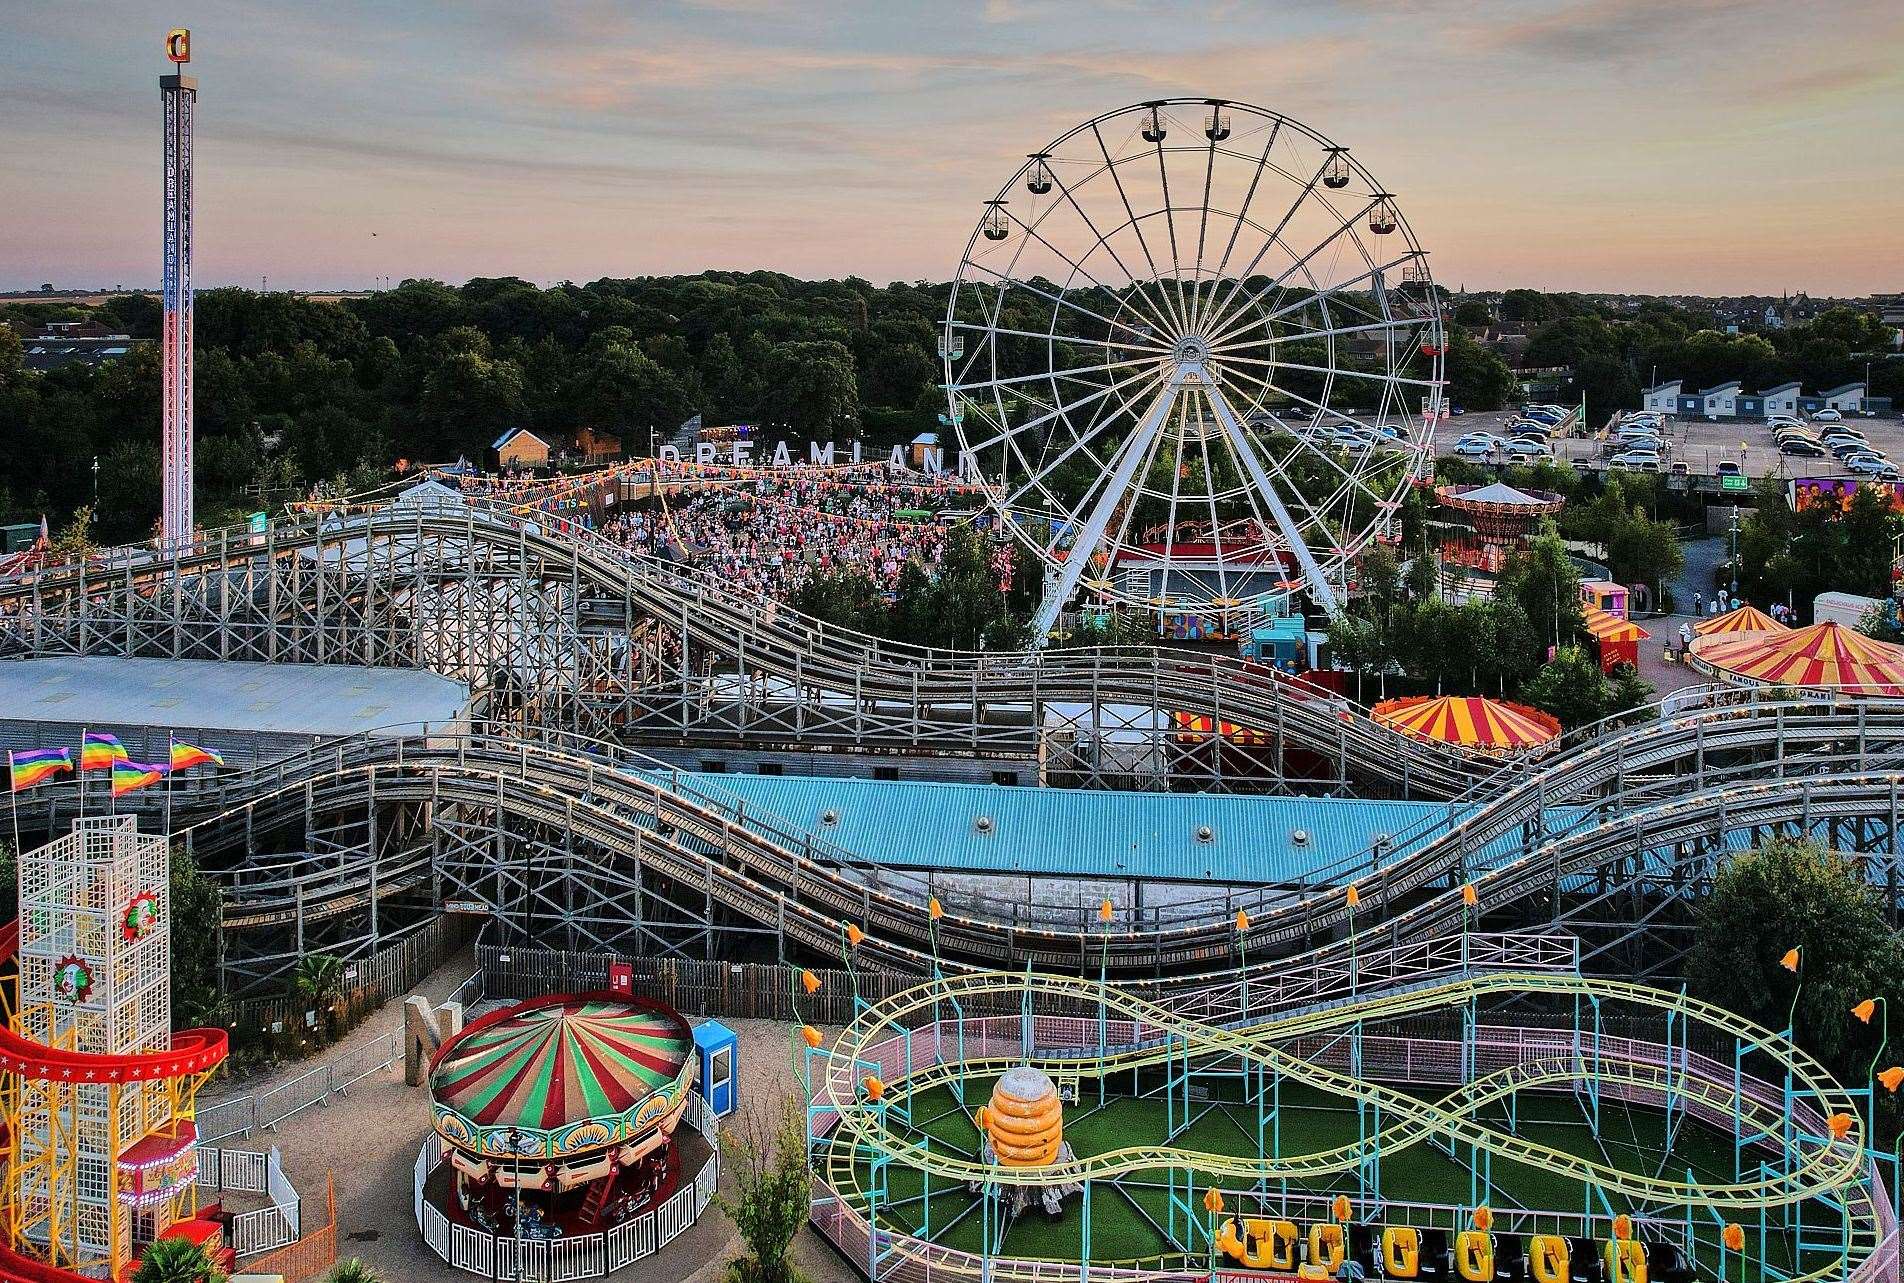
x=1311 y=568
x=1136 y=449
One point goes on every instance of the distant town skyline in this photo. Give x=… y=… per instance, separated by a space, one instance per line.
x=1712 y=147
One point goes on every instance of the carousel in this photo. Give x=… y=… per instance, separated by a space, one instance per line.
x=1740 y=619
x=1823 y=661
x=1490 y=523
x=558 y=1115
x=1483 y=727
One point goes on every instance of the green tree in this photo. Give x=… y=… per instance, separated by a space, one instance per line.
x=1795 y=894
x=767 y=1162
x=176 y=1260
x=195 y=900
x=1570 y=686
x=622 y=389
x=469 y=400
x=1477 y=378
x=845 y=597
x=10 y=348
x=1545 y=583
x=1473 y=314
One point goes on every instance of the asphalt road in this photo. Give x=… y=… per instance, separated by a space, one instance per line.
x=1700 y=445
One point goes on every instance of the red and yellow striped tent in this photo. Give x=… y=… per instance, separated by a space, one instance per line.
x=1469 y=722
x=1826 y=656
x=1740 y=619
x=1619 y=639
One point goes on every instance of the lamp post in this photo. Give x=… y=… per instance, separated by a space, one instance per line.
x=95 y=486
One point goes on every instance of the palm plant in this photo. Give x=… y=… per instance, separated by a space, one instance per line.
x=177 y=1260
x=352 y=1270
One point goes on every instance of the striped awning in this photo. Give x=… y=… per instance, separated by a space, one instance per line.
x=1607 y=627
x=1194 y=728
x=1470 y=722
x=1740 y=619
x=1825 y=656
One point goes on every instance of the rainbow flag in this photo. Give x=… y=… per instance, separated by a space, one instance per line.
x=187 y=755
x=100 y=752
x=28 y=767
x=128 y=775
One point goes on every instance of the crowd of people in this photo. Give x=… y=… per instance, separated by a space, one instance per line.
x=771 y=534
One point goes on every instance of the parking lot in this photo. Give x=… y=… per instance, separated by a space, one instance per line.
x=1700 y=445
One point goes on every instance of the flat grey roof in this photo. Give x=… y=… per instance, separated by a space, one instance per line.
x=294 y=699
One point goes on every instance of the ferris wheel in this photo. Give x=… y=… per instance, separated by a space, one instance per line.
x=1196 y=353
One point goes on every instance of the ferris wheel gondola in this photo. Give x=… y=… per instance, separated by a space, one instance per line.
x=1182 y=368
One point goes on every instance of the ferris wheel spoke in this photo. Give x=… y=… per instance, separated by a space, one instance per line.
x=1295 y=336
x=1195 y=310
x=1220 y=311
x=1338 y=371
x=1102 y=239
x=1170 y=222
x=1008 y=282
x=1045 y=375
x=1292 y=534
x=1236 y=228
x=1334 y=291
x=1305 y=441
x=1076 y=267
x=1117 y=181
x=1051 y=337
x=1116 y=486
x=1006 y=432
x=1036 y=474
x=1223 y=325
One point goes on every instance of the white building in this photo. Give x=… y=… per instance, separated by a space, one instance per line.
x=1720 y=401
x=1782 y=399
x=1847 y=399
x=1664 y=398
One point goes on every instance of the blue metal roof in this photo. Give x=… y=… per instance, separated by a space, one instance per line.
x=1078 y=832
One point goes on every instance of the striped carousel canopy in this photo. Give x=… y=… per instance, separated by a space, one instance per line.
x=561 y=1075
x=1825 y=656
x=1469 y=722
x=1740 y=619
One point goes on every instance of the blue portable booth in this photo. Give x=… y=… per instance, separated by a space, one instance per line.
x=717 y=1046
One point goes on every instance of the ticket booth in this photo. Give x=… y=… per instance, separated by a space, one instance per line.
x=717 y=1046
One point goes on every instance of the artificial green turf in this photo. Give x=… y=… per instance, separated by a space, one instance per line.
x=1129 y=1213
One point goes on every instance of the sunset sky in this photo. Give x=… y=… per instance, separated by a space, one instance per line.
x=1656 y=146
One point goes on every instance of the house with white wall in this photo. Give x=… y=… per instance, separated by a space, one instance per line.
x=1664 y=398
x=1848 y=399
x=1782 y=399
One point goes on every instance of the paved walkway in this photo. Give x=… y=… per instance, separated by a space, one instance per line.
x=369 y=1140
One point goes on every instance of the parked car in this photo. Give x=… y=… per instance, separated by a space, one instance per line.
x=1456 y=411
x=1474 y=449
x=1679 y=468
x=1634 y=462
x=1523 y=448
x=1828 y=415
x=1802 y=447
x=1869 y=465
x=1729 y=468
x=1845 y=449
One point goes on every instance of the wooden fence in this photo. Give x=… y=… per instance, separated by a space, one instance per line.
x=697 y=988
x=369 y=982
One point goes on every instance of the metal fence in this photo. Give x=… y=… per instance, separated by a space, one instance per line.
x=581 y=1256
x=264 y=1228
x=244 y=1115
x=237 y=1171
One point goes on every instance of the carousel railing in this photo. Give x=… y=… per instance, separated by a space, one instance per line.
x=569 y=1256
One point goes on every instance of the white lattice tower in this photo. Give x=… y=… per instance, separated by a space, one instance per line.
x=95 y=977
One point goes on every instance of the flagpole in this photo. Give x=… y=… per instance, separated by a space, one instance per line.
x=80 y=771
x=168 y=786
x=14 y=795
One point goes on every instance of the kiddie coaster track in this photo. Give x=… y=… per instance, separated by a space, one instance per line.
x=557 y=635
x=1399 y=1127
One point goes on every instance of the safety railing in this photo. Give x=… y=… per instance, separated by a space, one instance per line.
x=244 y=1115
x=577 y=1256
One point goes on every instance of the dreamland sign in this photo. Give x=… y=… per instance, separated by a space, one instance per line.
x=744 y=453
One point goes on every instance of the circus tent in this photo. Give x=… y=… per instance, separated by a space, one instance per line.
x=1740 y=619
x=1468 y=722
x=1824 y=657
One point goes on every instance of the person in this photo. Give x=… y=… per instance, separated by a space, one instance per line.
x=1685 y=636
x=1725 y=601
x=1698 y=603
x=1712 y=608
